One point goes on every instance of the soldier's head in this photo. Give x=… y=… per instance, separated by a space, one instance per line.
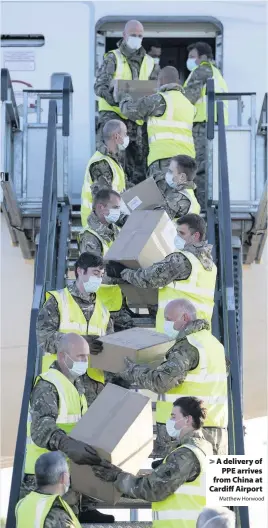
x=168 y=75
x=89 y=270
x=178 y=314
x=133 y=34
x=219 y=517
x=187 y=415
x=197 y=53
x=181 y=170
x=155 y=51
x=52 y=473
x=106 y=206
x=115 y=135
x=191 y=229
x=72 y=355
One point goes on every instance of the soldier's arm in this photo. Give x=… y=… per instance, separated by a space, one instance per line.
x=104 y=78
x=174 y=267
x=90 y=243
x=58 y=517
x=101 y=175
x=181 y=358
x=181 y=466
x=151 y=105
x=47 y=325
x=44 y=413
x=178 y=204
x=199 y=77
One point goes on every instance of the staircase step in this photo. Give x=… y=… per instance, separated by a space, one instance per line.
x=121 y=524
x=126 y=504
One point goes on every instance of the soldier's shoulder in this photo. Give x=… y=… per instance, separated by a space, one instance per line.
x=203 y=71
x=58 y=517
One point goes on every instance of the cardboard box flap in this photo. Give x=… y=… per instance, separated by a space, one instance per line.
x=145 y=195
x=138 y=338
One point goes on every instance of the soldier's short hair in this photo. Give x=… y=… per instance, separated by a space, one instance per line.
x=187 y=164
x=49 y=468
x=202 y=48
x=216 y=518
x=168 y=75
x=191 y=406
x=195 y=223
x=88 y=260
x=111 y=127
x=103 y=196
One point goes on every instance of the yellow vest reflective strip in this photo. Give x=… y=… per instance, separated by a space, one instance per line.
x=208 y=382
x=34 y=508
x=198 y=288
x=72 y=318
x=171 y=133
x=201 y=104
x=185 y=504
x=105 y=245
x=118 y=183
x=72 y=406
x=194 y=205
x=123 y=72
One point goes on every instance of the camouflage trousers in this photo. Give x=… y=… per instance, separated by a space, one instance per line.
x=216 y=436
x=200 y=141
x=134 y=158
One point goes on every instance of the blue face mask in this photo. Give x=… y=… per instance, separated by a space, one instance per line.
x=169 y=180
x=191 y=64
x=179 y=242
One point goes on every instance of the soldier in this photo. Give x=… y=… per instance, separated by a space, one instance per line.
x=104 y=168
x=169 y=119
x=195 y=349
x=200 y=65
x=45 y=506
x=155 y=52
x=178 y=187
x=176 y=487
x=128 y=62
x=188 y=273
x=97 y=237
x=69 y=385
x=219 y=517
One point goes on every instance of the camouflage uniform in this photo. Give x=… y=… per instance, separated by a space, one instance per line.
x=89 y=242
x=137 y=151
x=57 y=517
x=181 y=358
x=193 y=92
x=181 y=466
x=48 y=320
x=101 y=172
x=174 y=267
x=177 y=204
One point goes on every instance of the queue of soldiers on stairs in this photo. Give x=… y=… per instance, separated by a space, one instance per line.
x=168 y=128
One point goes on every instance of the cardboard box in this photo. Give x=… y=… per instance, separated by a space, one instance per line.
x=142 y=345
x=139 y=297
x=119 y=424
x=136 y=89
x=146 y=238
x=145 y=195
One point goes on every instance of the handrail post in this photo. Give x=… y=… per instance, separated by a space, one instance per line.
x=210 y=138
x=66 y=118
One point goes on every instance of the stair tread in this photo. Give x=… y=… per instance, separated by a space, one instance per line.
x=120 y=524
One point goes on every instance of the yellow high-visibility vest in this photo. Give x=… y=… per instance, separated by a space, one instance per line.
x=194 y=204
x=118 y=183
x=110 y=295
x=171 y=134
x=198 y=288
x=33 y=510
x=207 y=382
x=124 y=73
x=182 y=508
x=220 y=86
x=72 y=406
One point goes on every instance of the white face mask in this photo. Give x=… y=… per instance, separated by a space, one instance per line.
x=113 y=215
x=66 y=488
x=134 y=43
x=170 y=330
x=171 y=430
x=156 y=61
x=169 y=180
x=93 y=284
x=124 y=145
x=179 y=242
x=79 y=367
x=191 y=64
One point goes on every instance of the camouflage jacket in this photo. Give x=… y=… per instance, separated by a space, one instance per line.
x=180 y=359
x=181 y=466
x=48 y=321
x=57 y=516
x=101 y=172
x=198 y=78
x=150 y=105
x=89 y=242
x=174 y=267
x=106 y=72
x=177 y=204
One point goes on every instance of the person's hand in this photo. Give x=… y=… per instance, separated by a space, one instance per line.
x=95 y=346
x=106 y=471
x=113 y=269
x=78 y=451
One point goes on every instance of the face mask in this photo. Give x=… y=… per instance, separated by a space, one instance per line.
x=93 y=284
x=79 y=367
x=113 y=215
x=169 y=179
x=134 y=43
x=179 y=242
x=66 y=488
x=171 y=431
x=170 y=330
x=124 y=145
x=191 y=64
x=156 y=61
